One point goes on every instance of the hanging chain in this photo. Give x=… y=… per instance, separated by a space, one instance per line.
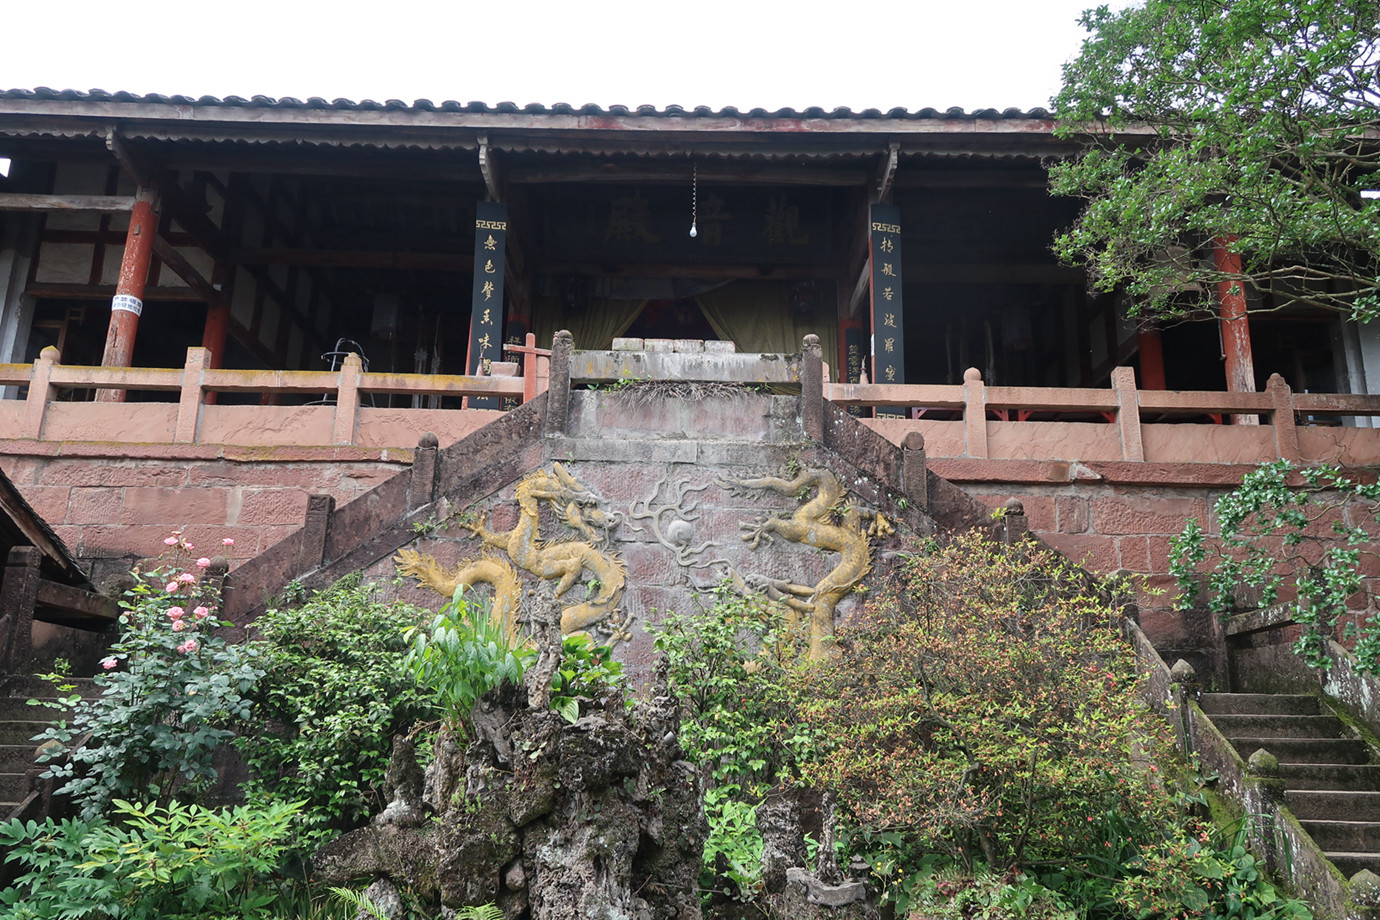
x=694 y=200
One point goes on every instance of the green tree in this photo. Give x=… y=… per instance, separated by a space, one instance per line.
x=1252 y=122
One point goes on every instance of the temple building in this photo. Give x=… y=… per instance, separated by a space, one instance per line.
x=214 y=311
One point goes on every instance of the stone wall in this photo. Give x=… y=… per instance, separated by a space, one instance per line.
x=114 y=504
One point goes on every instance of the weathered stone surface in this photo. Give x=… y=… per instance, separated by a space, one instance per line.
x=807 y=898
x=384 y=895
x=402 y=853
x=548 y=820
x=783 y=839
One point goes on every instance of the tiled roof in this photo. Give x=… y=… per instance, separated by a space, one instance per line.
x=560 y=108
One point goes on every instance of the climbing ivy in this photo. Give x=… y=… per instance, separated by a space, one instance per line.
x=1297 y=536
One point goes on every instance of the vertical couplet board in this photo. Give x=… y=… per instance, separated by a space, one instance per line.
x=486 y=311
x=888 y=334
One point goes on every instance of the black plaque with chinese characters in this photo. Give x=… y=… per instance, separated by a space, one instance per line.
x=888 y=334
x=486 y=316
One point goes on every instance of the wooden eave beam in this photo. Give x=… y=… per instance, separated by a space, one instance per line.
x=183 y=269
x=106 y=204
x=346 y=258
x=68 y=605
x=690 y=270
x=886 y=173
x=996 y=273
x=740 y=173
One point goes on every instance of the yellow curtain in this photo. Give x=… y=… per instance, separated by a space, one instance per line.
x=593 y=329
x=757 y=317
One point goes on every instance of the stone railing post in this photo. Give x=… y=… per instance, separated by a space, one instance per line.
x=315 y=531
x=422 y=487
x=975 y=413
x=1282 y=419
x=1014 y=523
x=812 y=388
x=914 y=475
x=529 y=369
x=18 y=595
x=347 y=400
x=190 y=399
x=558 y=396
x=1128 y=413
x=36 y=405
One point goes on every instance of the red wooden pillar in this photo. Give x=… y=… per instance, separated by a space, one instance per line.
x=1236 y=330
x=1151 y=360
x=129 y=291
x=213 y=337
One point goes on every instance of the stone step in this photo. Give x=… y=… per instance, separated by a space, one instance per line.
x=1358 y=777
x=1349 y=836
x=1259 y=704
x=13 y=731
x=16 y=758
x=1305 y=750
x=1333 y=805
x=13 y=788
x=1349 y=863
x=1275 y=726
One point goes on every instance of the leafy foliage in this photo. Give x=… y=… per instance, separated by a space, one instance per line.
x=587 y=672
x=1254 y=111
x=729 y=664
x=169 y=691
x=985 y=707
x=332 y=697
x=1270 y=532
x=461 y=655
x=175 y=863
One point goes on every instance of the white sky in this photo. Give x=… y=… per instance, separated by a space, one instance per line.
x=745 y=53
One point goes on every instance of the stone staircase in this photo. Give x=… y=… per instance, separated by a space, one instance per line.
x=19 y=722
x=1331 y=777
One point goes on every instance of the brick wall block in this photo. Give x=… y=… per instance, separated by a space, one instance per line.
x=1096 y=553
x=22 y=471
x=94 y=505
x=1144 y=515
x=111 y=473
x=1134 y=553
x=48 y=502
x=271 y=506
x=176 y=507
x=121 y=540
x=1071 y=514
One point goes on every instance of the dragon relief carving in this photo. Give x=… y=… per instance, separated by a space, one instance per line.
x=827 y=522
x=576 y=507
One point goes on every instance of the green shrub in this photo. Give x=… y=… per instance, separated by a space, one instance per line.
x=985 y=706
x=587 y=672
x=729 y=664
x=461 y=655
x=332 y=697
x=170 y=692
x=149 y=863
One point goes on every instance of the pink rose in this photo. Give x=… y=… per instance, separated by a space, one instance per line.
x=175 y=613
x=109 y=663
x=228 y=542
x=171 y=587
x=188 y=547
x=191 y=645
x=186 y=577
x=171 y=541
x=179 y=625
x=201 y=613
x=203 y=562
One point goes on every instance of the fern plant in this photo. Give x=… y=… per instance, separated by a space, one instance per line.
x=362 y=902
